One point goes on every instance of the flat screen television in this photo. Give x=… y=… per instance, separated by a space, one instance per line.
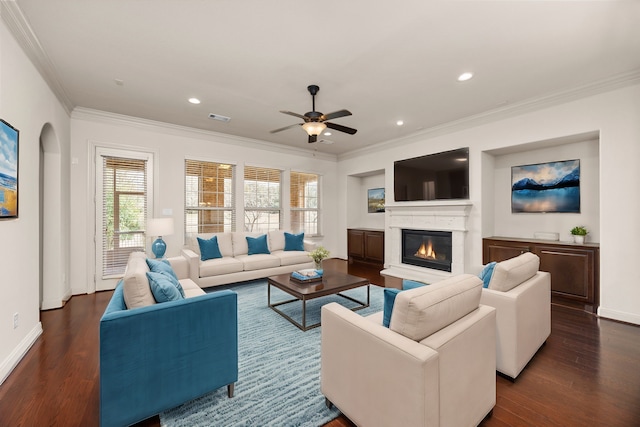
x=439 y=176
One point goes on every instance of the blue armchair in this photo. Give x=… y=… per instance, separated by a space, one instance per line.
x=157 y=357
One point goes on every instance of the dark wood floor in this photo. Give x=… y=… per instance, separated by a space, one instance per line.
x=588 y=373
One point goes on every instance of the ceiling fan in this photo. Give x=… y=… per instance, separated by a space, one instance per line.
x=315 y=122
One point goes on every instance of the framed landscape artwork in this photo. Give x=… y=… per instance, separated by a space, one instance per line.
x=546 y=187
x=8 y=170
x=375 y=200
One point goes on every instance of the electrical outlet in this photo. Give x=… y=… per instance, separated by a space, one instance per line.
x=15 y=320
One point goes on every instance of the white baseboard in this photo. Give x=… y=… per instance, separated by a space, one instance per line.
x=19 y=352
x=619 y=315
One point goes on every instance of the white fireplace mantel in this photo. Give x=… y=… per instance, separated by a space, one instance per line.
x=438 y=216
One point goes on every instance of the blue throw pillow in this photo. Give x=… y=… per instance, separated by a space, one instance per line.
x=411 y=284
x=209 y=248
x=161 y=266
x=258 y=245
x=162 y=288
x=293 y=242
x=486 y=273
x=390 y=295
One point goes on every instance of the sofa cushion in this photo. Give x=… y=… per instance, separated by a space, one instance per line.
x=163 y=288
x=418 y=313
x=225 y=245
x=258 y=261
x=292 y=257
x=293 y=242
x=510 y=273
x=276 y=240
x=220 y=266
x=209 y=248
x=240 y=245
x=486 y=273
x=135 y=288
x=163 y=267
x=190 y=288
x=257 y=245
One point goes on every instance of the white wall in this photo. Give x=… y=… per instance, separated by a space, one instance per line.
x=170 y=146
x=526 y=224
x=28 y=104
x=360 y=216
x=614 y=114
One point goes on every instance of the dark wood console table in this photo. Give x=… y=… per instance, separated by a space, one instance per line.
x=574 y=268
x=365 y=245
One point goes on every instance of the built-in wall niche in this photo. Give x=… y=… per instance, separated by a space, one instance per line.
x=498 y=218
x=358 y=186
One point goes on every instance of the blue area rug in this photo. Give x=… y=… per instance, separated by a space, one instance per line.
x=279 y=365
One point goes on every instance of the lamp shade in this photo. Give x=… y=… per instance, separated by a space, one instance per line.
x=314 y=128
x=160 y=226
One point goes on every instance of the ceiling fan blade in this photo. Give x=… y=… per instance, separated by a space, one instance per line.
x=286 y=127
x=300 y=116
x=313 y=138
x=335 y=115
x=341 y=128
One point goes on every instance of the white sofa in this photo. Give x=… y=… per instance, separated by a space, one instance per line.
x=522 y=297
x=433 y=366
x=236 y=265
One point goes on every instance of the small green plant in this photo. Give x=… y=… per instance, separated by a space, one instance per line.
x=318 y=254
x=579 y=230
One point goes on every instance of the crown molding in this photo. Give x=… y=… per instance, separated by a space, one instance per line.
x=19 y=26
x=533 y=104
x=99 y=116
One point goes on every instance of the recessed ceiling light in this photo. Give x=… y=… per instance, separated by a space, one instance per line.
x=194 y=100
x=399 y=122
x=327 y=133
x=461 y=159
x=464 y=77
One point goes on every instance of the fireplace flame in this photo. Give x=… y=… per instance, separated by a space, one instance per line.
x=426 y=251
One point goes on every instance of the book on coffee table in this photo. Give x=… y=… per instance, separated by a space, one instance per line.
x=306 y=276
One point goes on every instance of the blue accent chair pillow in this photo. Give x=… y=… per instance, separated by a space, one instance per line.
x=486 y=273
x=293 y=242
x=390 y=295
x=258 y=245
x=209 y=248
x=162 y=288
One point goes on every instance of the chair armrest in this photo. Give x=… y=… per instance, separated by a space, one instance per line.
x=309 y=245
x=523 y=321
x=374 y=375
x=180 y=266
x=156 y=357
x=194 y=263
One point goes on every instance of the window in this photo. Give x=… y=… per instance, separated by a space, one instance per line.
x=124 y=211
x=305 y=208
x=209 y=189
x=261 y=199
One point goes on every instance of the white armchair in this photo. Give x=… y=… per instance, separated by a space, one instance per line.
x=434 y=365
x=522 y=297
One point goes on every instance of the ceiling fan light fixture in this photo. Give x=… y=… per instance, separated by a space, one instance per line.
x=314 y=128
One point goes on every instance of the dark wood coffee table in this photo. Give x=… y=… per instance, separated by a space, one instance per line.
x=332 y=283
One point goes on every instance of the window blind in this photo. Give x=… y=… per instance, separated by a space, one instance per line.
x=209 y=201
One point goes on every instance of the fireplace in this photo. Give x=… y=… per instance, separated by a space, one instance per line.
x=429 y=249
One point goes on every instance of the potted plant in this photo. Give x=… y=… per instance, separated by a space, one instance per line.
x=318 y=254
x=578 y=233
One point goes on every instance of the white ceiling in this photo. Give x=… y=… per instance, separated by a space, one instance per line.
x=383 y=61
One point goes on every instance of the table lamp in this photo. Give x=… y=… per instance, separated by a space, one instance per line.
x=159 y=227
